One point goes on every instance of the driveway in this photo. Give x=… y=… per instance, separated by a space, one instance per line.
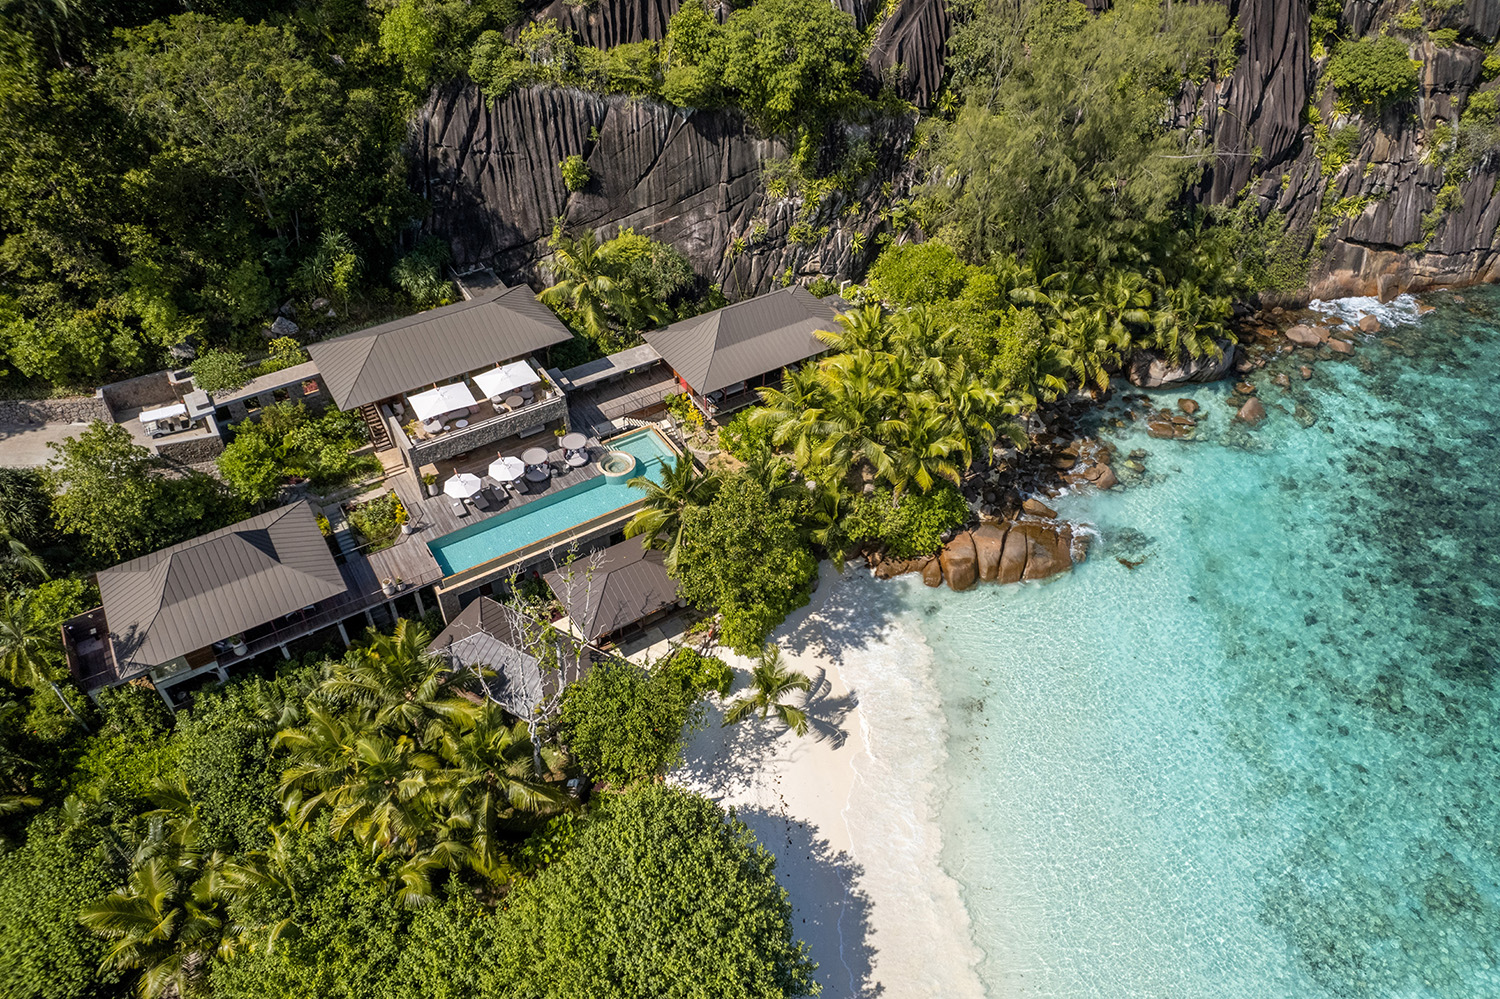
x=24 y=445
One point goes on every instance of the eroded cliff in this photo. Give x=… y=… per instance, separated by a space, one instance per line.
x=1379 y=215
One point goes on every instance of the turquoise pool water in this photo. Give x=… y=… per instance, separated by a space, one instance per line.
x=1266 y=763
x=554 y=513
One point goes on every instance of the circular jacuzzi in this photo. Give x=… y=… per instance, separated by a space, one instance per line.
x=617 y=465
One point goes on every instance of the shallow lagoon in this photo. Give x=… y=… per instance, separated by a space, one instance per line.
x=1265 y=763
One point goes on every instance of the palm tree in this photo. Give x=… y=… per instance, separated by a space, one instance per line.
x=374 y=784
x=396 y=682
x=584 y=285
x=165 y=922
x=931 y=445
x=770 y=680
x=862 y=329
x=491 y=775
x=661 y=521
x=28 y=647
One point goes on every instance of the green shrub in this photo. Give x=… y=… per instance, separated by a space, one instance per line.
x=575 y=172
x=1376 y=72
x=911 y=528
x=624 y=723
x=699 y=673
x=1444 y=38
x=743 y=438
x=379 y=520
x=219 y=370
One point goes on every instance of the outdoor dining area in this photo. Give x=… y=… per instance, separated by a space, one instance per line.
x=510 y=476
x=472 y=400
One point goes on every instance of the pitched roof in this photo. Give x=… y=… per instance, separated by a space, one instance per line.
x=188 y=596
x=746 y=339
x=485 y=634
x=614 y=588
x=395 y=357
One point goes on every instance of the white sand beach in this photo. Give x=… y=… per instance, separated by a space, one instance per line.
x=850 y=808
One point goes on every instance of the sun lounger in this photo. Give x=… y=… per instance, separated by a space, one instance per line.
x=480 y=503
x=459 y=510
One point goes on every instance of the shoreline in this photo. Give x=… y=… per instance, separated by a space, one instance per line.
x=851 y=809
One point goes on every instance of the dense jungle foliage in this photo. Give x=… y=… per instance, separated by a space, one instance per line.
x=174 y=173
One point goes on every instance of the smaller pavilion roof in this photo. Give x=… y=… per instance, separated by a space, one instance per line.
x=488 y=634
x=614 y=588
x=746 y=339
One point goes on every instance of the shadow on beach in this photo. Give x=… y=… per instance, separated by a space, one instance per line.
x=836 y=928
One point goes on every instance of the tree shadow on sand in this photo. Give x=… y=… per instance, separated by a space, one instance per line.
x=730 y=764
x=832 y=911
x=834 y=629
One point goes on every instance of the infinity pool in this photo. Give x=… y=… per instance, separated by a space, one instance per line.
x=555 y=513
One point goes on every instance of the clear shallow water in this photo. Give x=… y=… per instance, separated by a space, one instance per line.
x=1265 y=763
x=560 y=511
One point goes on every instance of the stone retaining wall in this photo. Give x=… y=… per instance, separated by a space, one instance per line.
x=154 y=389
x=84 y=409
x=191 y=451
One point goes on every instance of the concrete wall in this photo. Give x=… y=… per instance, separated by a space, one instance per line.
x=192 y=450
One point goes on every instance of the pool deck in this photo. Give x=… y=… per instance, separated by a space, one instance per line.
x=434 y=517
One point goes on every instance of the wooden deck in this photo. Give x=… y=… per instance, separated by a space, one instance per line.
x=434 y=515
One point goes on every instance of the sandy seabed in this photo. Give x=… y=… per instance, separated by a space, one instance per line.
x=851 y=808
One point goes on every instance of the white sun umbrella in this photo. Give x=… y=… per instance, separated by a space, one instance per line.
x=462 y=486
x=507 y=469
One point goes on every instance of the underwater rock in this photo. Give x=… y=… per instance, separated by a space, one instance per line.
x=1341 y=346
x=960 y=563
x=1252 y=412
x=1282 y=381
x=1244 y=388
x=1188 y=406
x=1305 y=371
x=1106 y=479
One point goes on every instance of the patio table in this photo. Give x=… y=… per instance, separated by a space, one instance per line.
x=573 y=441
x=461 y=423
x=514 y=401
x=534 y=456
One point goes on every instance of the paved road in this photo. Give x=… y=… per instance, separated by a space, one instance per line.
x=25 y=445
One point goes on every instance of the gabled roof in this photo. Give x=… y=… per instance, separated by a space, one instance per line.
x=183 y=598
x=614 y=588
x=431 y=346
x=746 y=339
x=484 y=634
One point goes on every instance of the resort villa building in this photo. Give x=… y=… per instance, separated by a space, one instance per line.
x=196 y=607
x=721 y=357
x=506 y=469
x=450 y=380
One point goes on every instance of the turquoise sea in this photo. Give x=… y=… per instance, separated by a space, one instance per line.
x=1265 y=763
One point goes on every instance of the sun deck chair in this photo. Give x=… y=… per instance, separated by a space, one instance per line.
x=459 y=510
x=480 y=503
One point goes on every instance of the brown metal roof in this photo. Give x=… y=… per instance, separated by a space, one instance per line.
x=613 y=588
x=386 y=360
x=485 y=634
x=746 y=339
x=186 y=597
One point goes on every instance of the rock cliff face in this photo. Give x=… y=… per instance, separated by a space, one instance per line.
x=1368 y=217
x=693 y=178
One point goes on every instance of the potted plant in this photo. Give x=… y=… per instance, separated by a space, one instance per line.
x=413 y=430
x=429 y=480
x=388 y=587
x=237 y=645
